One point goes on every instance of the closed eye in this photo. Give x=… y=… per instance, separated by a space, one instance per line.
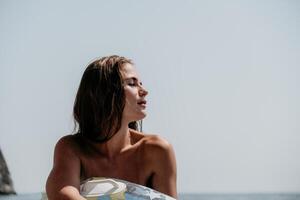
x=132 y=82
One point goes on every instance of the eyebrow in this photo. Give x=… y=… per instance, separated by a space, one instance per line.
x=131 y=78
x=134 y=79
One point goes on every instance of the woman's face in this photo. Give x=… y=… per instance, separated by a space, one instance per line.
x=135 y=93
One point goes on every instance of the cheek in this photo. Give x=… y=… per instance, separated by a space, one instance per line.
x=130 y=95
x=129 y=104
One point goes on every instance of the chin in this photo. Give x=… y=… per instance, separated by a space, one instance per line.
x=140 y=116
x=135 y=116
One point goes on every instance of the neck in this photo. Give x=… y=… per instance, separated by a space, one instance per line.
x=118 y=143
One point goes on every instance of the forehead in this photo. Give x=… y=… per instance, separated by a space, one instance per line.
x=128 y=71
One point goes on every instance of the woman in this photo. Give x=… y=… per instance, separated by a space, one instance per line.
x=109 y=101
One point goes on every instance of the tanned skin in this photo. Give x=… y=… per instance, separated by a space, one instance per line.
x=147 y=160
x=129 y=155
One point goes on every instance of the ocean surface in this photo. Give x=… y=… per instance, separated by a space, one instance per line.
x=279 y=196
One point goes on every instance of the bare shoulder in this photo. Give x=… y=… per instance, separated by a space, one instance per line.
x=150 y=140
x=66 y=143
x=161 y=162
x=64 y=178
x=153 y=145
x=66 y=148
x=157 y=143
x=65 y=140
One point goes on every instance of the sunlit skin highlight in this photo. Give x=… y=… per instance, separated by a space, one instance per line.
x=130 y=155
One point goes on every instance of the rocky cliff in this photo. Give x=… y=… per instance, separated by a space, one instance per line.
x=6 y=185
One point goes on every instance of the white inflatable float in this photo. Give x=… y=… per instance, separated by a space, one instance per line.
x=99 y=188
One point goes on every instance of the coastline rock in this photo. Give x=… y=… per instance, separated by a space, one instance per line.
x=6 y=184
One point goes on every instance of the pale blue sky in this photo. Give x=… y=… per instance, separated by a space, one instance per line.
x=223 y=79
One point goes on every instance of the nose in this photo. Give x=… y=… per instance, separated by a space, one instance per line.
x=143 y=92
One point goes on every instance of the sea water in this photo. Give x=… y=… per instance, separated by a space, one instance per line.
x=277 y=196
x=251 y=196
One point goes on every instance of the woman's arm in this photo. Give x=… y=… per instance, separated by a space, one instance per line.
x=64 y=179
x=164 y=166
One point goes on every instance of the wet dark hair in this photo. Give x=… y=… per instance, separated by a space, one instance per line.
x=100 y=99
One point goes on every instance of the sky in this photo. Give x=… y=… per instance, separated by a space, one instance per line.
x=223 y=81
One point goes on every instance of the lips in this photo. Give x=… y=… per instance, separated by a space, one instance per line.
x=142 y=102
